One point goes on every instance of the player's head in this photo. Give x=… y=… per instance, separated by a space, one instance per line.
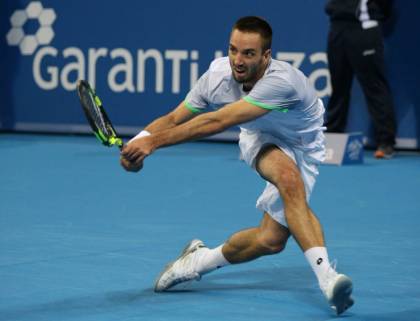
x=250 y=49
x=253 y=24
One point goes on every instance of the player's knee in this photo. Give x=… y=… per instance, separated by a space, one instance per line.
x=289 y=183
x=270 y=244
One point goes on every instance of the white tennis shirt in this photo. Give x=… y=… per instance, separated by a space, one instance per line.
x=296 y=112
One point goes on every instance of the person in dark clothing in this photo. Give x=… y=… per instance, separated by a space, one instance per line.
x=355 y=47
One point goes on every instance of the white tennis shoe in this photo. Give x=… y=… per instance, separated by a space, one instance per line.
x=182 y=269
x=337 y=289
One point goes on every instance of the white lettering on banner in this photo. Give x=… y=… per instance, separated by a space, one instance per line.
x=129 y=74
x=79 y=67
x=142 y=56
x=193 y=68
x=125 y=68
x=320 y=73
x=176 y=56
x=94 y=55
x=52 y=83
x=218 y=54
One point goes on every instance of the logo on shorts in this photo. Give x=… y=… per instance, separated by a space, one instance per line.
x=34 y=13
x=319 y=261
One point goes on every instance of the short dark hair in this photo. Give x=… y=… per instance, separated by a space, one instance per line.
x=257 y=25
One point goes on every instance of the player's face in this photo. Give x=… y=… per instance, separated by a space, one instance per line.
x=247 y=60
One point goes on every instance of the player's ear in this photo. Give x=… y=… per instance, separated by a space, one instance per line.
x=267 y=54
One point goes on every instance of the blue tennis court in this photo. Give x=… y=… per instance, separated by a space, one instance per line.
x=80 y=239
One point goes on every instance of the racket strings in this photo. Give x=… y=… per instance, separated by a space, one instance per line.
x=95 y=112
x=96 y=116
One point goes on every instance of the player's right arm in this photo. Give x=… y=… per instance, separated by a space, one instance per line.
x=176 y=117
x=194 y=104
x=179 y=115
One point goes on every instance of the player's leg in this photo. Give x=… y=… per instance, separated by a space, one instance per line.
x=278 y=168
x=246 y=245
x=196 y=259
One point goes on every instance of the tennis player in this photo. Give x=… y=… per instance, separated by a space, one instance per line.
x=281 y=122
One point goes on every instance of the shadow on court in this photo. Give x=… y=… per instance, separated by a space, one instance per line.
x=294 y=280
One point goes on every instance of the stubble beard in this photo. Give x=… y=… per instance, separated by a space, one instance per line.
x=249 y=77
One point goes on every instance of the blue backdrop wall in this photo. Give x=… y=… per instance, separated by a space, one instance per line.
x=144 y=56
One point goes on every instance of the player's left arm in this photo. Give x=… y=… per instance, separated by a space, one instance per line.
x=201 y=126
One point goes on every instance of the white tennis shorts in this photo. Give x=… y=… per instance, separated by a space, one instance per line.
x=307 y=160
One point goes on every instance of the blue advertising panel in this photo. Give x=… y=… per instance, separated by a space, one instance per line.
x=143 y=57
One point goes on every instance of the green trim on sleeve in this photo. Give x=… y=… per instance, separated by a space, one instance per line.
x=191 y=107
x=265 y=106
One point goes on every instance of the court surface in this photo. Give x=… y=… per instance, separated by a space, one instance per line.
x=80 y=239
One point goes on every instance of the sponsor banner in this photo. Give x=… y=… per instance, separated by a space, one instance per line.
x=142 y=58
x=343 y=149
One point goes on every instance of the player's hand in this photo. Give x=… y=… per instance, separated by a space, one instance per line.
x=129 y=166
x=133 y=154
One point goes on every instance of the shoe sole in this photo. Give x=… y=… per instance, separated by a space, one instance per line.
x=341 y=299
x=189 y=248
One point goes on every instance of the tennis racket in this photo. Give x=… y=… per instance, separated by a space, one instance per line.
x=96 y=116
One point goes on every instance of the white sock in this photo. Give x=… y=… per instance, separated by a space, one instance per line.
x=318 y=259
x=210 y=259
